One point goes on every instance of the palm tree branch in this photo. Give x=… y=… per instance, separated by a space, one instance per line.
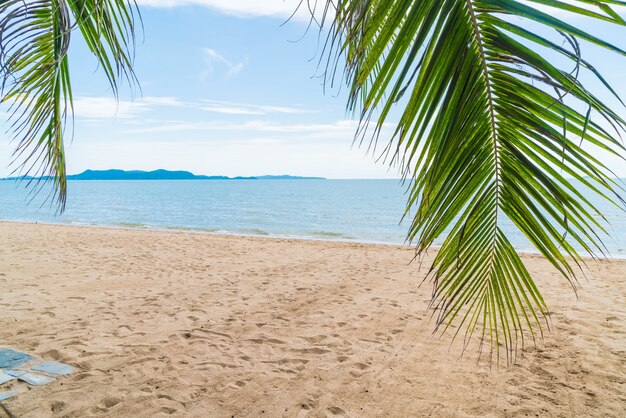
x=490 y=129
x=35 y=77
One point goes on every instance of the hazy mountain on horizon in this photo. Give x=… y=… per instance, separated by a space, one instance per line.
x=161 y=174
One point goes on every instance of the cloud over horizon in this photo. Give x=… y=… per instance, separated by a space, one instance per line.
x=106 y=108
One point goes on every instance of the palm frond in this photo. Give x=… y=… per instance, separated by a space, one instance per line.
x=35 y=77
x=494 y=122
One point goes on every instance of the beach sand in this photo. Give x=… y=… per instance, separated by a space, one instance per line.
x=182 y=324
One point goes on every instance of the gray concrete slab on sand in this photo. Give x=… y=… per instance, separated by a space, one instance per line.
x=35 y=379
x=6 y=394
x=30 y=378
x=10 y=359
x=18 y=365
x=54 y=368
x=5 y=377
x=15 y=373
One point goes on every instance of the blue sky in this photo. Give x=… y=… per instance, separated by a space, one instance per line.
x=225 y=90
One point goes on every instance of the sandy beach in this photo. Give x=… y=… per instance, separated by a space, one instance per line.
x=197 y=325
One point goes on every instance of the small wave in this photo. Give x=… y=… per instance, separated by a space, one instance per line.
x=190 y=229
x=133 y=225
x=254 y=231
x=330 y=234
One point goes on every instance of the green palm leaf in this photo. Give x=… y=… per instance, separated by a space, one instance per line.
x=494 y=122
x=34 y=72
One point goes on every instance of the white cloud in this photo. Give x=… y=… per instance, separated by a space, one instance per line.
x=230 y=110
x=212 y=56
x=279 y=109
x=165 y=101
x=303 y=9
x=347 y=126
x=106 y=107
x=236 y=69
x=244 y=108
x=248 y=157
x=242 y=8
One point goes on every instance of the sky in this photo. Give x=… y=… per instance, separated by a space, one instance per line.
x=228 y=87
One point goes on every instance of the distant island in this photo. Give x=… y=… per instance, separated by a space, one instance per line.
x=161 y=175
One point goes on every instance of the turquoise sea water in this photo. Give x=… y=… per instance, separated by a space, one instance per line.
x=347 y=210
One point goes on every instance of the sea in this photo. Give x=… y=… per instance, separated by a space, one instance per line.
x=369 y=211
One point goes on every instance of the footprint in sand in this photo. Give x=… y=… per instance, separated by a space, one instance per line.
x=359 y=369
x=237 y=384
x=57 y=406
x=311 y=350
x=53 y=354
x=111 y=401
x=335 y=410
x=168 y=410
x=361 y=366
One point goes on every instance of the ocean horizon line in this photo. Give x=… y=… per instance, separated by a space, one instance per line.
x=158 y=174
x=181 y=175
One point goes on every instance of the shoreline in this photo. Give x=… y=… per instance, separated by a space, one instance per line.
x=161 y=323
x=219 y=233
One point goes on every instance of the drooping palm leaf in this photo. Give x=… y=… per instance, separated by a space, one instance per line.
x=494 y=122
x=489 y=127
x=34 y=71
